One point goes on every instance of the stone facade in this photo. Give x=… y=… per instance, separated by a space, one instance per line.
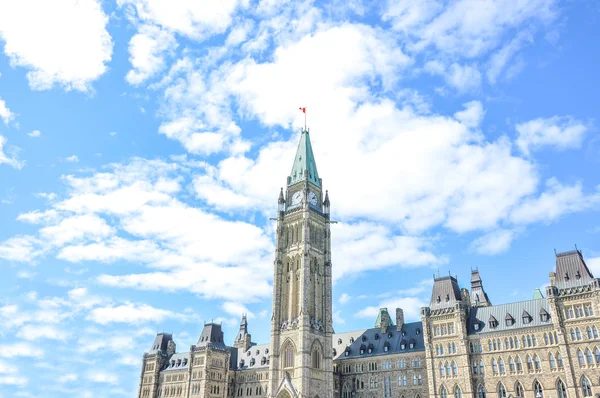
x=463 y=346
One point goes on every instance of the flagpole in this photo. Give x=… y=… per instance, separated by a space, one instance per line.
x=304 y=120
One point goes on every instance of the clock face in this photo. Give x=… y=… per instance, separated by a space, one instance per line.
x=312 y=198
x=296 y=198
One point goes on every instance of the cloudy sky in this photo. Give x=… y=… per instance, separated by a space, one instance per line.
x=143 y=144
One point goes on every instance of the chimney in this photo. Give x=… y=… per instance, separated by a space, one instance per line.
x=399 y=319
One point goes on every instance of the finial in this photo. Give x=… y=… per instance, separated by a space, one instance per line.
x=555 y=251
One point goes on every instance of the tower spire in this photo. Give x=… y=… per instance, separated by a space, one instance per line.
x=304 y=167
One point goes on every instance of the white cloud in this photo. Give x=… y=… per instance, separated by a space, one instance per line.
x=344 y=298
x=500 y=59
x=34 y=332
x=472 y=115
x=4 y=159
x=560 y=132
x=35 y=133
x=102 y=377
x=68 y=378
x=463 y=78
x=5 y=114
x=63 y=42
x=88 y=226
x=237 y=309
x=494 y=242
x=130 y=313
x=72 y=159
x=19 y=350
x=147 y=50
x=556 y=201
x=594 y=265
x=13 y=380
x=19 y=248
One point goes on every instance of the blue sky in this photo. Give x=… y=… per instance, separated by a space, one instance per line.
x=143 y=145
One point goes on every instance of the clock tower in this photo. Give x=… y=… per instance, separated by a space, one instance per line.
x=301 y=327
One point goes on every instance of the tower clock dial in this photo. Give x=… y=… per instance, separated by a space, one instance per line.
x=312 y=198
x=296 y=198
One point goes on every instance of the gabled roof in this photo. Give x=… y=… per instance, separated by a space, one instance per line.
x=256 y=353
x=445 y=293
x=179 y=361
x=373 y=338
x=571 y=270
x=161 y=342
x=378 y=320
x=482 y=315
x=211 y=336
x=304 y=167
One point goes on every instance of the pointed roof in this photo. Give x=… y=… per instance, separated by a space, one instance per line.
x=378 y=320
x=305 y=167
x=478 y=295
x=571 y=270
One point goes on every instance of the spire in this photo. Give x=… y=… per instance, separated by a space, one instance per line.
x=304 y=167
x=326 y=203
x=478 y=295
x=280 y=207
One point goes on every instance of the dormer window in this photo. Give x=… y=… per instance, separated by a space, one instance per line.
x=566 y=276
x=390 y=335
x=364 y=338
x=184 y=361
x=362 y=349
x=526 y=317
x=347 y=352
x=252 y=362
x=411 y=344
x=257 y=352
x=334 y=352
x=439 y=299
x=263 y=360
x=447 y=297
x=172 y=363
x=493 y=322
x=386 y=347
x=376 y=336
x=476 y=326
x=577 y=275
x=266 y=350
x=418 y=331
x=370 y=348
x=339 y=341
x=544 y=316
x=248 y=353
x=509 y=320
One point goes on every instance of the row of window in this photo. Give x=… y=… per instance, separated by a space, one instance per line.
x=175 y=377
x=373 y=366
x=592 y=333
x=516 y=365
x=439 y=349
x=588 y=358
x=442 y=330
x=510 y=321
x=579 y=311
x=259 y=390
x=253 y=377
x=561 y=391
x=512 y=343
x=448 y=369
x=263 y=361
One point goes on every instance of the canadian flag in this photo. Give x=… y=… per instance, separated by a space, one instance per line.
x=303 y=110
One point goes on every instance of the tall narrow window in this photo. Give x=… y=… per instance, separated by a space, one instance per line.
x=519 y=392
x=481 y=369
x=572 y=334
x=538 y=365
x=586 y=387
x=288 y=356
x=580 y=357
x=443 y=392
x=559 y=360
x=457 y=392
x=511 y=364
x=561 y=390
x=480 y=392
x=578 y=333
x=454 y=368
x=552 y=361
x=588 y=356
x=501 y=363
x=494 y=366
x=539 y=391
x=529 y=363
x=501 y=391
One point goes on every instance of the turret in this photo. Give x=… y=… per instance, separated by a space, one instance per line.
x=326 y=204
x=243 y=339
x=479 y=297
x=281 y=202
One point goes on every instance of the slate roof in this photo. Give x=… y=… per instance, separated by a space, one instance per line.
x=445 y=293
x=367 y=338
x=482 y=316
x=212 y=335
x=571 y=270
x=304 y=160
x=478 y=294
x=161 y=342
x=256 y=353
x=179 y=361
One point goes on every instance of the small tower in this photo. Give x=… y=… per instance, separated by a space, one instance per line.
x=479 y=297
x=243 y=339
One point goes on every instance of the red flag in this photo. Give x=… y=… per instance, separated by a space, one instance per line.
x=303 y=110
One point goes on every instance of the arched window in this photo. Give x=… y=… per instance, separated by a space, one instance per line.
x=529 y=363
x=501 y=363
x=572 y=334
x=561 y=391
x=494 y=366
x=589 y=332
x=511 y=364
x=559 y=360
x=480 y=392
x=578 y=333
x=442 y=370
x=316 y=357
x=538 y=365
x=528 y=341
x=516 y=342
x=595 y=332
x=551 y=336
x=447 y=369
x=481 y=367
x=519 y=392
x=288 y=356
x=454 y=368
x=501 y=391
x=457 y=392
x=597 y=355
x=475 y=368
x=552 y=361
x=586 y=387
x=443 y=392
x=588 y=356
x=580 y=357
x=546 y=341
x=534 y=339
x=539 y=391
x=512 y=344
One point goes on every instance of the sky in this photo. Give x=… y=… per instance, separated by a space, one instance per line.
x=143 y=145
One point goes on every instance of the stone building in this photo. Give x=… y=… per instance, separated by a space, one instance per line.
x=463 y=346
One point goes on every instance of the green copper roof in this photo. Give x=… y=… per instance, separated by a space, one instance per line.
x=537 y=294
x=304 y=163
x=378 y=320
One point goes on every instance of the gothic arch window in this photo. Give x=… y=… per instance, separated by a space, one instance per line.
x=561 y=391
x=537 y=388
x=529 y=363
x=288 y=355
x=580 y=357
x=316 y=355
x=578 y=333
x=457 y=392
x=443 y=392
x=481 y=368
x=589 y=332
x=519 y=392
x=501 y=363
x=552 y=361
x=597 y=354
x=538 y=365
x=494 y=366
x=588 y=356
x=442 y=370
x=480 y=391
x=511 y=364
x=454 y=368
x=559 y=360
x=447 y=369
x=501 y=391
x=572 y=334
x=595 y=332
x=546 y=341
x=586 y=387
